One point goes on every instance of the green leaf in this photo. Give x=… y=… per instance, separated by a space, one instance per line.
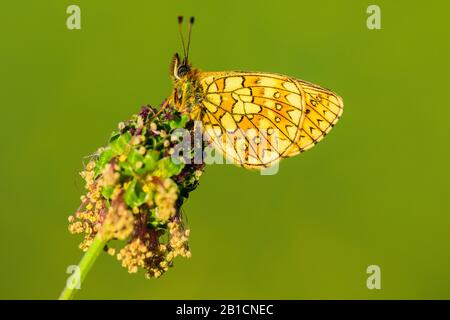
x=134 y=195
x=120 y=143
x=167 y=168
x=114 y=136
x=104 y=158
x=134 y=156
x=179 y=123
x=150 y=161
x=127 y=168
x=107 y=191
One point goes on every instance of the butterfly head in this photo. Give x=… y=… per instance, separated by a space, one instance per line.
x=179 y=68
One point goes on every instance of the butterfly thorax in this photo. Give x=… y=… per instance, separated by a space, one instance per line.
x=187 y=94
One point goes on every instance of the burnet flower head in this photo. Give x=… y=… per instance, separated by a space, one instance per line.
x=134 y=193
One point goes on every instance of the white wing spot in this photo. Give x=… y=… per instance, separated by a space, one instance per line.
x=295 y=115
x=211 y=108
x=233 y=83
x=291 y=87
x=294 y=99
x=228 y=122
x=252 y=108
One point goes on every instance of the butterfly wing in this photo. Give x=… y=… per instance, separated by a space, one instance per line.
x=255 y=119
x=323 y=108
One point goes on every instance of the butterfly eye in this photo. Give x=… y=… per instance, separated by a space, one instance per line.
x=182 y=70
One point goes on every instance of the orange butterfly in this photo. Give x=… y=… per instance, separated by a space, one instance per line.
x=254 y=118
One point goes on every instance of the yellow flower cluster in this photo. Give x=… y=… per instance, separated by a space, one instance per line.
x=109 y=176
x=119 y=222
x=134 y=193
x=134 y=255
x=154 y=257
x=88 y=219
x=165 y=198
x=178 y=240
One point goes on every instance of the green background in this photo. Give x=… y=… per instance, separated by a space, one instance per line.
x=375 y=191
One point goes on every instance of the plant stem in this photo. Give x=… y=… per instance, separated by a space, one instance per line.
x=85 y=266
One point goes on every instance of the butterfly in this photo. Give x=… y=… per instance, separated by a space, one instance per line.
x=253 y=118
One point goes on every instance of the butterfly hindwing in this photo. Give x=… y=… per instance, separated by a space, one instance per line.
x=255 y=119
x=323 y=108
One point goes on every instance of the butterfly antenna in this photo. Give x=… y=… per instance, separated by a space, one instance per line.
x=191 y=22
x=180 y=31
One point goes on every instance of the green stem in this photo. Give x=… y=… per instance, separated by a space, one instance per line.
x=85 y=266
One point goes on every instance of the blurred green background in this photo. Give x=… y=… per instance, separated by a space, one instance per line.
x=375 y=191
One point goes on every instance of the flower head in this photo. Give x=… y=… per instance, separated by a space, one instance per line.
x=134 y=193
